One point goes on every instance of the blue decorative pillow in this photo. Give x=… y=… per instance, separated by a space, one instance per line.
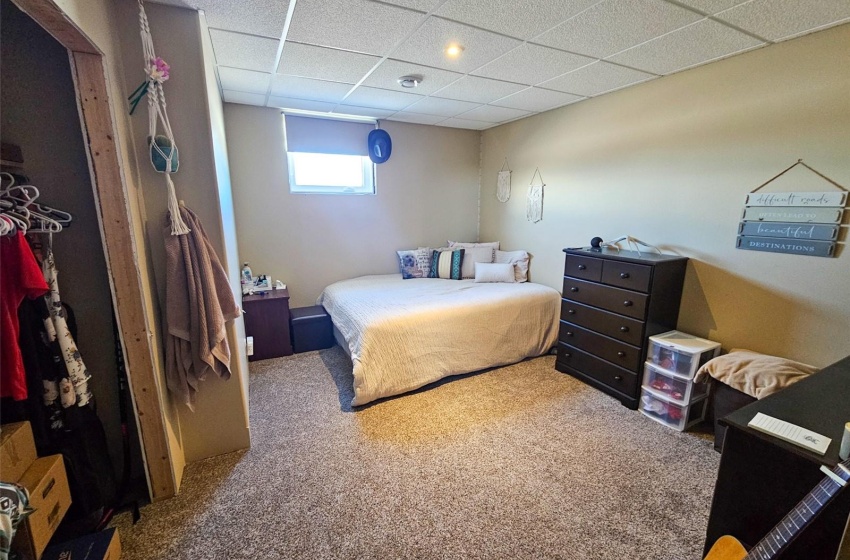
x=415 y=263
x=447 y=264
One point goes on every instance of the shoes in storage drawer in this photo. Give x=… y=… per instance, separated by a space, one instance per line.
x=678 y=389
x=676 y=416
x=681 y=353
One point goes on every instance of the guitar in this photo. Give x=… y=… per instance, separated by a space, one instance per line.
x=728 y=548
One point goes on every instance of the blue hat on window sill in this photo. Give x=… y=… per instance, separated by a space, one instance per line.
x=380 y=145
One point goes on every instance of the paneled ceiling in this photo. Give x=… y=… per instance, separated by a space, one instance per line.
x=519 y=57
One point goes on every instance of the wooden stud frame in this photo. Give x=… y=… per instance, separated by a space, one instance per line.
x=111 y=199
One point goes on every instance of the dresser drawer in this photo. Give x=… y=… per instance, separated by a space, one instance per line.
x=586 y=268
x=617 y=378
x=621 y=301
x=610 y=324
x=616 y=352
x=627 y=275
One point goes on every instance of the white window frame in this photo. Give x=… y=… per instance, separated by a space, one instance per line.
x=368 y=183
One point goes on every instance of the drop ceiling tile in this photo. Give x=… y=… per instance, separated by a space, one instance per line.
x=425 y=46
x=782 y=19
x=381 y=98
x=302 y=104
x=306 y=88
x=695 y=44
x=421 y=5
x=257 y=17
x=244 y=98
x=356 y=25
x=335 y=65
x=536 y=100
x=522 y=19
x=595 y=79
x=441 y=107
x=465 y=123
x=362 y=111
x=712 y=6
x=248 y=81
x=478 y=90
x=416 y=118
x=387 y=74
x=615 y=25
x=493 y=114
x=237 y=50
x=532 y=64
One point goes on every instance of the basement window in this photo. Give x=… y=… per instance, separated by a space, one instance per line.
x=327 y=156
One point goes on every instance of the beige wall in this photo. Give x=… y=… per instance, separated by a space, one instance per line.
x=177 y=36
x=426 y=193
x=670 y=162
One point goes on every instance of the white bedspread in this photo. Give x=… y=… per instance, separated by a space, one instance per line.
x=403 y=334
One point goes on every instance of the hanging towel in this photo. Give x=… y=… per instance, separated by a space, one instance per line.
x=198 y=303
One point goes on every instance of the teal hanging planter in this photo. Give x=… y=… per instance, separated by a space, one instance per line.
x=161 y=148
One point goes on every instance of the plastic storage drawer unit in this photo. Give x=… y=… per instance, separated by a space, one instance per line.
x=680 y=353
x=311 y=329
x=676 y=416
x=677 y=388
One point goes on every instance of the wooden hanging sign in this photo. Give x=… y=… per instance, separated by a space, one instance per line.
x=838 y=199
x=792 y=246
x=790 y=230
x=796 y=214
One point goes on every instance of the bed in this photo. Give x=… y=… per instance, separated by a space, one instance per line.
x=404 y=334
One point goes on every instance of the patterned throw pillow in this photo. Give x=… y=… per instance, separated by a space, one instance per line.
x=415 y=263
x=447 y=264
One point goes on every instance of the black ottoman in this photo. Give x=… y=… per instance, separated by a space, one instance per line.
x=311 y=328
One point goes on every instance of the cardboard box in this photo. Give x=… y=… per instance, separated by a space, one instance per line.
x=17 y=450
x=50 y=497
x=104 y=545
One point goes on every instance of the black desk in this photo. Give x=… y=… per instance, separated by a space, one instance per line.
x=762 y=478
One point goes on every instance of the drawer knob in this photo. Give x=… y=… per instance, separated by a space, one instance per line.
x=569 y=333
x=574 y=289
x=567 y=355
x=627 y=303
x=624 y=329
x=618 y=378
x=621 y=354
x=571 y=311
x=582 y=267
x=624 y=275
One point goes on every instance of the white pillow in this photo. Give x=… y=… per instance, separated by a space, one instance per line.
x=493 y=244
x=519 y=259
x=494 y=272
x=473 y=255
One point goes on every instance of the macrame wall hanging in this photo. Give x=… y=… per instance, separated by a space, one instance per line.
x=503 y=184
x=163 y=148
x=534 y=201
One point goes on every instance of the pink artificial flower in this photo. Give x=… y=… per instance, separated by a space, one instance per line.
x=159 y=70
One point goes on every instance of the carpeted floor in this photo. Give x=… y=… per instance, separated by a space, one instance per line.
x=516 y=462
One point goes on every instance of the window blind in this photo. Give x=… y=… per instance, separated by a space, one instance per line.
x=326 y=136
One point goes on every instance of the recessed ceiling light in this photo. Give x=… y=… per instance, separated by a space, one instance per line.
x=409 y=81
x=454 y=50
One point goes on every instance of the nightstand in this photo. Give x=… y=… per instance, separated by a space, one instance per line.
x=267 y=320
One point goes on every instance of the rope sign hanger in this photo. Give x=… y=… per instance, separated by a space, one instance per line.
x=534 y=199
x=163 y=148
x=503 y=185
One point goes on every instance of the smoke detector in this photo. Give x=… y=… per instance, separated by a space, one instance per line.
x=409 y=82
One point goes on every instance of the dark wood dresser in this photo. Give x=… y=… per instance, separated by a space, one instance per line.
x=612 y=302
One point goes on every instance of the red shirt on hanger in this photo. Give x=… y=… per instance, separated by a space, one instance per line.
x=20 y=276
